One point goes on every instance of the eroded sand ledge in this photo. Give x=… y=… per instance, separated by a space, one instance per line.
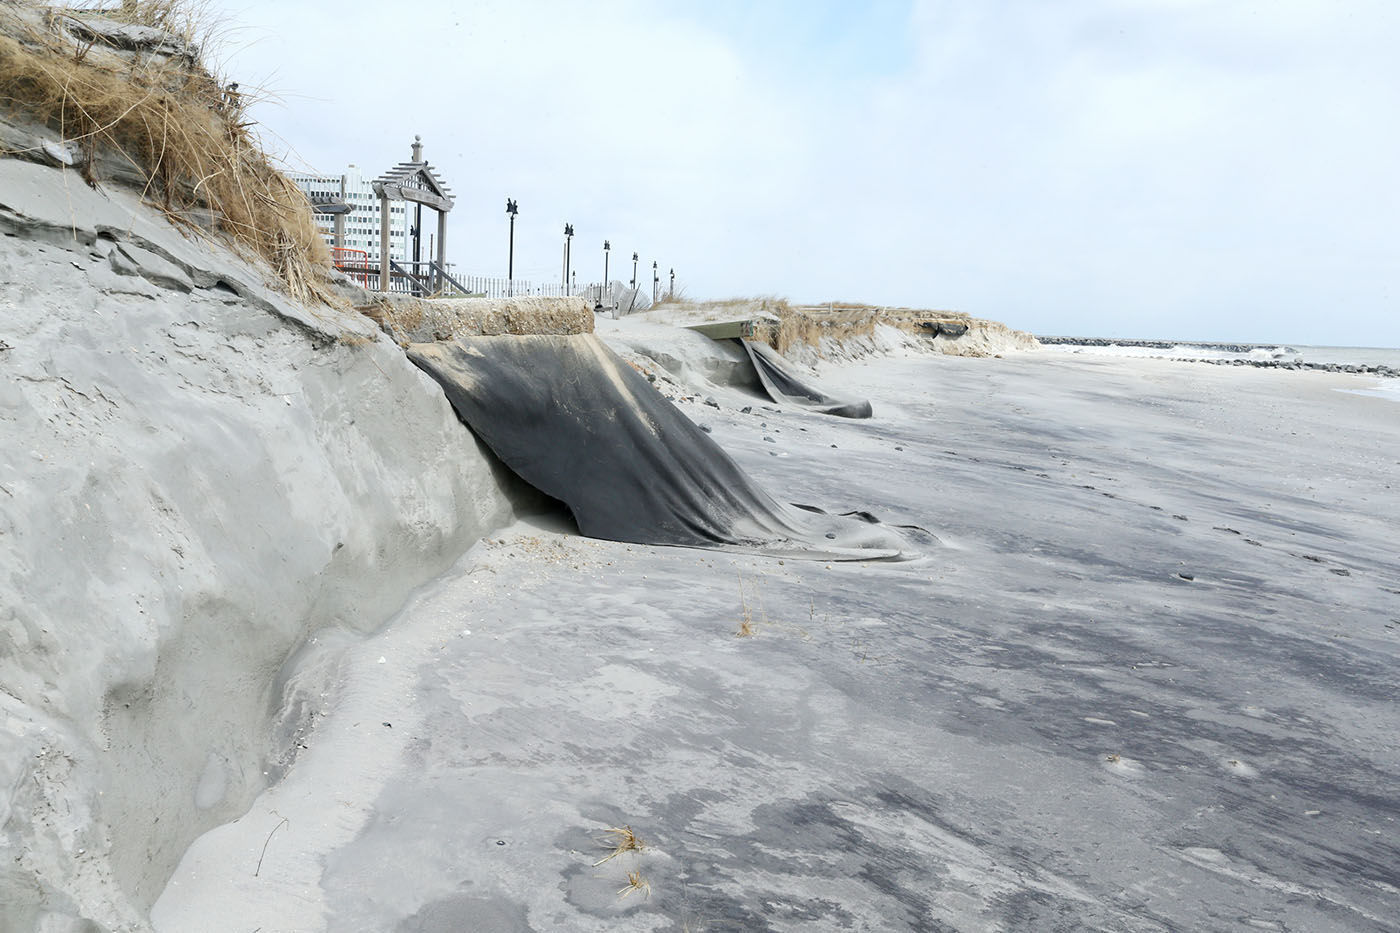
x=197 y=475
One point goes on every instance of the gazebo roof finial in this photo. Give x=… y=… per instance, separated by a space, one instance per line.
x=417 y=148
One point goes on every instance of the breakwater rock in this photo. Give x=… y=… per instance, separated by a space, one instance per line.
x=1163 y=344
x=1298 y=364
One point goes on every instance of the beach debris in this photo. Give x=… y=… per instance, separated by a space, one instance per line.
x=262 y=854
x=1186 y=576
x=621 y=840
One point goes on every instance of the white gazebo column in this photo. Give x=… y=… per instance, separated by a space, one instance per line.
x=383 y=242
x=340 y=220
x=442 y=250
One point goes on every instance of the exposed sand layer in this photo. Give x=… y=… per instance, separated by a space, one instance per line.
x=415 y=320
x=1147 y=684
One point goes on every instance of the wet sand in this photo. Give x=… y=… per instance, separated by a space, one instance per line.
x=1147 y=681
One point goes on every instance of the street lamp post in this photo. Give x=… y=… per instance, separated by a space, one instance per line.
x=634 y=272
x=568 y=238
x=655 y=284
x=607 y=248
x=512 y=209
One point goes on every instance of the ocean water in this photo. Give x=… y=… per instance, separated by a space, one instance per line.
x=1342 y=356
x=1386 y=387
x=1359 y=356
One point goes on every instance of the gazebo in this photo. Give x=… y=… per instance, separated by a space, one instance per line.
x=413 y=181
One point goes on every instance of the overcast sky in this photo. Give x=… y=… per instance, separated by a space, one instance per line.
x=1197 y=169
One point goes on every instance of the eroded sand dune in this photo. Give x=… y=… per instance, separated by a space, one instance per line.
x=195 y=479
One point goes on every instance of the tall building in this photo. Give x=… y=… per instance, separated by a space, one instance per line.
x=362 y=223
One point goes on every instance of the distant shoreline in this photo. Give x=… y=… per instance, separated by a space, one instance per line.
x=1376 y=361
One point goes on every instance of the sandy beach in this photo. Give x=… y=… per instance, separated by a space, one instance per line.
x=531 y=584
x=1145 y=680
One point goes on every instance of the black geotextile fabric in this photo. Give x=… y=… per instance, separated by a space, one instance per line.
x=784 y=385
x=576 y=422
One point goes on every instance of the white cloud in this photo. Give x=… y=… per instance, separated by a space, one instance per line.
x=1173 y=167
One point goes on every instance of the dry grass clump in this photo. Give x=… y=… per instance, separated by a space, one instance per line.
x=620 y=839
x=635 y=883
x=148 y=105
x=674 y=296
x=808 y=325
x=748 y=627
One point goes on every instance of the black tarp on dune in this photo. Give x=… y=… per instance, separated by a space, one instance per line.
x=577 y=423
x=785 y=385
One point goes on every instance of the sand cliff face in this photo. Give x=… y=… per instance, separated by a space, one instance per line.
x=196 y=476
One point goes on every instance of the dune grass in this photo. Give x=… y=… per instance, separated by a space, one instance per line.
x=155 y=107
